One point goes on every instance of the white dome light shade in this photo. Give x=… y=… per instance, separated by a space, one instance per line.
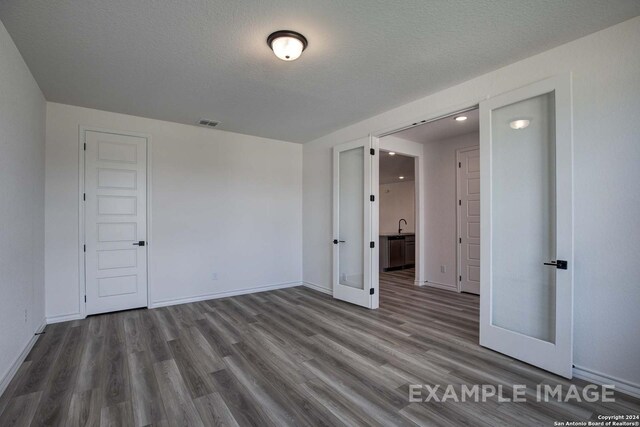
x=287 y=45
x=519 y=124
x=287 y=48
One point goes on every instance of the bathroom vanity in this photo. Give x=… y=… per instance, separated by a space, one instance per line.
x=397 y=251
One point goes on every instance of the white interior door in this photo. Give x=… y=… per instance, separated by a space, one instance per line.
x=354 y=243
x=526 y=299
x=469 y=219
x=115 y=222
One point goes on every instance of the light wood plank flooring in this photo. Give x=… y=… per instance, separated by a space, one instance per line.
x=287 y=357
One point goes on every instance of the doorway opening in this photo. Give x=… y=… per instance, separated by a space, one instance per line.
x=397 y=216
x=444 y=154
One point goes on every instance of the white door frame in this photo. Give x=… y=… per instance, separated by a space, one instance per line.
x=411 y=150
x=459 y=215
x=415 y=150
x=82 y=282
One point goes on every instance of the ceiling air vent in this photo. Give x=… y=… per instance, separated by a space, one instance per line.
x=207 y=123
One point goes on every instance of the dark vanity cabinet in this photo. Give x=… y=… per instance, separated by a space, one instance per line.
x=397 y=251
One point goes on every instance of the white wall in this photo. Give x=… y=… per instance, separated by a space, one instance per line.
x=22 y=121
x=606 y=100
x=222 y=203
x=397 y=200
x=440 y=207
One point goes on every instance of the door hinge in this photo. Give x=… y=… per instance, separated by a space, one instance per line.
x=372 y=291
x=460 y=240
x=460 y=278
x=85 y=298
x=84 y=196
x=372 y=198
x=459 y=164
x=84 y=248
x=372 y=151
x=85 y=146
x=372 y=245
x=459 y=202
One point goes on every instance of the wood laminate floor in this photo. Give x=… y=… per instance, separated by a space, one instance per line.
x=288 y=357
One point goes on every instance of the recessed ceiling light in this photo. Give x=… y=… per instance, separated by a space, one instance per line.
x=401 y=177
x=460 y=118
x=519 y=124
x=391 y=153
x=287 y=45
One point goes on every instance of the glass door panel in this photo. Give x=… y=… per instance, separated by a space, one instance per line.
x=523 y=207
x=351 y=218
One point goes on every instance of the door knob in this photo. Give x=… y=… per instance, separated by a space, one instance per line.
x=140 y=243
x=559 y=264
x=336 y=241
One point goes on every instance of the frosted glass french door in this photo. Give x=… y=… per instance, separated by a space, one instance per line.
x=354 y=243
x=526 y=257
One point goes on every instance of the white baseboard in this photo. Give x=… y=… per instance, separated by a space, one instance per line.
x=623 y=386
x=441 y=286
x=318 y=288
x=216 y=295
x=8 y=376
x=64 y=318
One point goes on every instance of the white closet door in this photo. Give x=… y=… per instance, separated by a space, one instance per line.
x=469 y=219
x=115 y=222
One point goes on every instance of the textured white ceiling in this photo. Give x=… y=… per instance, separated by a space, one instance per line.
x=442 y=129
x=393 y=167
x=183 y=60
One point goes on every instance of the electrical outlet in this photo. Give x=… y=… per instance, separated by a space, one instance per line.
x=214 y=276
x=443 y=269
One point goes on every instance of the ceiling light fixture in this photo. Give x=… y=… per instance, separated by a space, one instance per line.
x=401 y=177
x=460 y=118
x=392 y=153
x=287 y=45
x=519 y=124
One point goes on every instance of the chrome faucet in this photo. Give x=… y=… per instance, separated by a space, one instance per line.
x=399 y=222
